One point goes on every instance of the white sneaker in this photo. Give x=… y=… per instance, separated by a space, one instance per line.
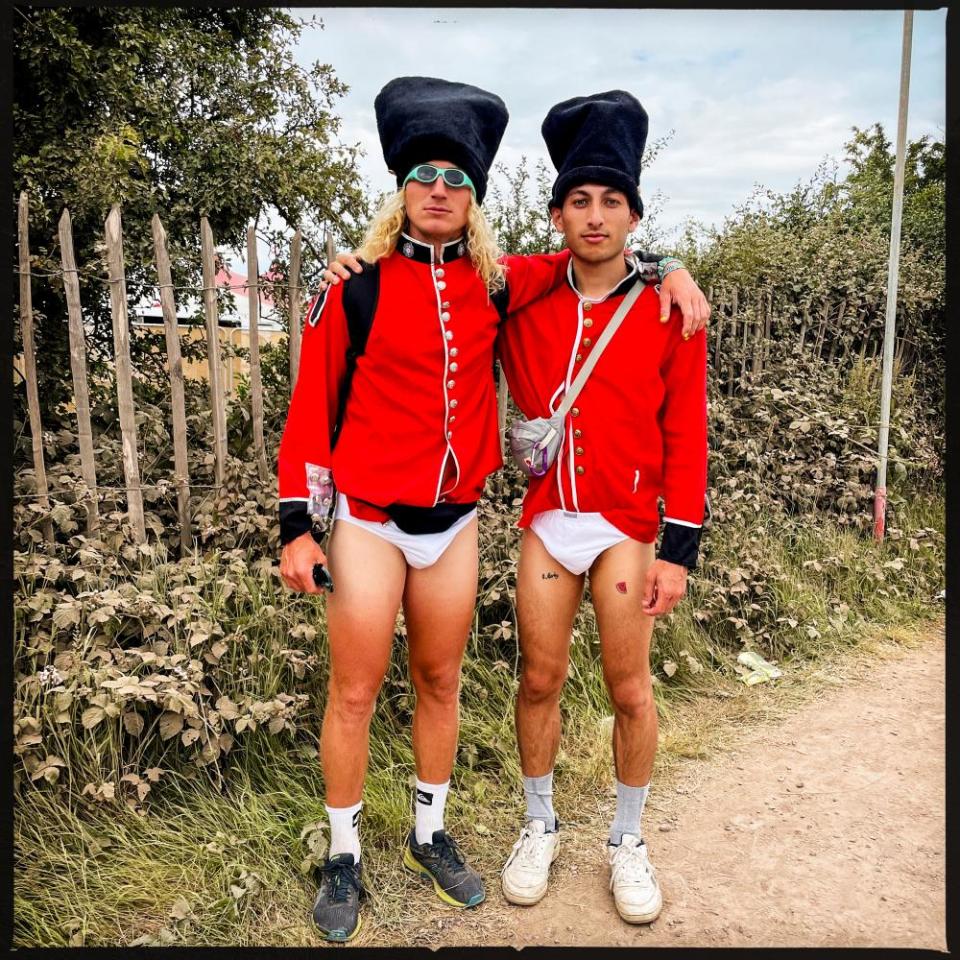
x=633 y=881
x=524 y=875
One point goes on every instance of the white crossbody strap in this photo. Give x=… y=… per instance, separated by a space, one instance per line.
x=605 y=337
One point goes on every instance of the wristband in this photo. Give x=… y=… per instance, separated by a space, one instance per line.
x=667 y=265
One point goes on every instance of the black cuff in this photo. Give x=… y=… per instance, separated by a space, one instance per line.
x=294 y=521
x=680 y=544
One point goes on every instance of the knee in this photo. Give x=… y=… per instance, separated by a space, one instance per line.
x=440 y=685
x=353 y=702
x=632 y=696
x=542 y=682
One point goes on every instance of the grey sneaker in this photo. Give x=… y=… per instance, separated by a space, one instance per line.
x=442 y=861
x=336 y=911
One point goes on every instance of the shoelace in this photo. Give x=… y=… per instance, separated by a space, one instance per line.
x=530 y=847
x=342 y=878
x=630 y=861
x=448 y=851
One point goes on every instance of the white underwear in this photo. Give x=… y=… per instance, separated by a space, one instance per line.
x=575 y=540
x=419 y=549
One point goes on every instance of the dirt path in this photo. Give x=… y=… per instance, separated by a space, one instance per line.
x=825 y=828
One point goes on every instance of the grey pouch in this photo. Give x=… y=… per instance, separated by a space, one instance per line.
x=534 y=443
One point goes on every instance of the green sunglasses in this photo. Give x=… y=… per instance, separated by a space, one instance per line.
x=452 y=177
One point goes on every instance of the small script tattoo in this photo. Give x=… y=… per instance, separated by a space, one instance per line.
x=549 y=575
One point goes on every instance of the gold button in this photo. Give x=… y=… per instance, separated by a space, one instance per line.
x=575 y=412
x=579 y=357
x=587 y=305
x=587 y=342
x=577 y=434
x=579 y=451
x=588 y=322
x=580 y=471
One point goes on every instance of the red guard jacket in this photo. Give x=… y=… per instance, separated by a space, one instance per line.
x=638 y=429
x=420 y=423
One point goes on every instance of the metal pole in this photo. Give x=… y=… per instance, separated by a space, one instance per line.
x=893 y=276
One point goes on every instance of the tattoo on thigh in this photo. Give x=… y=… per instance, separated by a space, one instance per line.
x=550 y=575
x=622 y=587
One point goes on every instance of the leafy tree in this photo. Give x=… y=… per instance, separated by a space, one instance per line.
x=180 y=111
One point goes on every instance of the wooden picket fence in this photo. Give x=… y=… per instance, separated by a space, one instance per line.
x=744 y=324
x=216 y=370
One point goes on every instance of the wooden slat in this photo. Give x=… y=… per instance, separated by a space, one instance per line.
x=837 y=332
x=124 y=370
x=78 y=368
x=747 y=328
x=256 y=384
x=768 y=328
x=294 y=300
x=30 y=360
x=734 y=304
x=502 y=408
x=821 y=330
x=175 y=364
x=718 y=336
x=759 y=325
x=214 y=366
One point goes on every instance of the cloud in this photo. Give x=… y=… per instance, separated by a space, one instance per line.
x=754 y=96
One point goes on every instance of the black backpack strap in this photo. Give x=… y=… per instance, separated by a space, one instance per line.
x=360 y=295
x=501 y=300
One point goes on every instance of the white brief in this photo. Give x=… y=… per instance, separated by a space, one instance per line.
x=419 y=549
x=575 y=540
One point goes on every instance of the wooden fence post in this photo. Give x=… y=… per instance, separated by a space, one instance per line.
x=256 y=385
x=821 y=330
x=747 y=327
x=30 y=360
x=124 y=371
x=213 y=352
x=502 y=408
x=768 y=328
x=838 y=331
x=733 y=340
x=719 y=314
x=756 y=361
x=168 y=306
x=294 y=296
x=78 y=368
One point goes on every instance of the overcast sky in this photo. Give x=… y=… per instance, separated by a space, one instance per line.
x=753 y=96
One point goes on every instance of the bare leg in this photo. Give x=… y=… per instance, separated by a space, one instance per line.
x=361 y=614
x=548 y=596
x=438 y=606
x=616 y=583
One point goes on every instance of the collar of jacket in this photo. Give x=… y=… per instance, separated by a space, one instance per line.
x=425 y=252
x=618 y=291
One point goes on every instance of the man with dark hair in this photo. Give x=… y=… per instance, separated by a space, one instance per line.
x=637 y=431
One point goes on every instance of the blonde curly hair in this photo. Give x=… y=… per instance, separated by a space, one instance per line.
x=385 y=228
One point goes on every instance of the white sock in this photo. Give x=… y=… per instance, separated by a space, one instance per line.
x=539 y=794
x=430 y=799
x=345 y=830
x=630 y=801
